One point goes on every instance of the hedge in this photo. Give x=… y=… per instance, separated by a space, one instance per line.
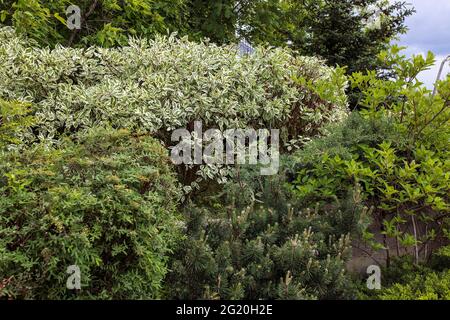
x=106 y=203
x=167 y=83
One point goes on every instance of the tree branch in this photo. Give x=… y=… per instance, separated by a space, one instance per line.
x=83 y=19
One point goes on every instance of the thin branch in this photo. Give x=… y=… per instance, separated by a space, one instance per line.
x=370 y=255
x=446 y=105
x=439 y=75
x=83 y=19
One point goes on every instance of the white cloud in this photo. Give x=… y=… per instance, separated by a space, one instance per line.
x=429 y=30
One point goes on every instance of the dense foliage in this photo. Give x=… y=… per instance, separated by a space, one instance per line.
x=106 y=203
x=397 y=150
x=346 y=32
x=14 y=120
x=427 y=286
x=161 y=85
x=85 y=133
x=251 y=241
x=342 y=32
x=103 y=22
x=405 y=280
x=166 y=84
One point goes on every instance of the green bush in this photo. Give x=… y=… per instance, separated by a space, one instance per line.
x=248 y=242
x=431 y=286
x=396 y=149
x=106 y=203
x=104 y=22
x=441 y=259
x=164 y=84
x=404 y=186
x=377 y=169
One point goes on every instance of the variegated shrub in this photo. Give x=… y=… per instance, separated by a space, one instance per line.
x=166 y=83
x=156 y=86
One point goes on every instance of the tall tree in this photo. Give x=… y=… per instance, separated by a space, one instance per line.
x=344 y=32
x=340 y=31
x=103 y=22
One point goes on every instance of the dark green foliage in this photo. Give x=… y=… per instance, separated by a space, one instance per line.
x=339 y=30
x=441 y=259
x=215 y=20
x=343 y=139
x=105 y=203
x=249 y=243
x=405 y=280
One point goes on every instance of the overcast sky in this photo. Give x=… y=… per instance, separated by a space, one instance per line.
x=429 y=30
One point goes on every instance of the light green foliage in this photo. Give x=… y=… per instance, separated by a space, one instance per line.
x=397 y=149
x=14 y=119
x=430 y=286
x=417 y=114
x=106 y=203
x=165 y=84
x=407 y=281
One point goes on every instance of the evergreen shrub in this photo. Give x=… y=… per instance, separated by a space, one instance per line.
x=105 y=202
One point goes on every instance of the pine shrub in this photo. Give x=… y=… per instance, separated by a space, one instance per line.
x=252 y=242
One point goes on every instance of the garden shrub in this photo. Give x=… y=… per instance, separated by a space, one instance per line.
x=404 y=186
x=105 y=202
x=157 y=86
x=396 y=150
x=248 y=242
x=440 y=259
x=431 y=286
x=164 y=84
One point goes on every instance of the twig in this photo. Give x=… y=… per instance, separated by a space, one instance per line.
x=370 y=255
x=439 y=75
x=416 y=249
x=83 y=19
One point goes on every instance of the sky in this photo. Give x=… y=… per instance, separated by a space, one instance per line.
x=429 y=30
